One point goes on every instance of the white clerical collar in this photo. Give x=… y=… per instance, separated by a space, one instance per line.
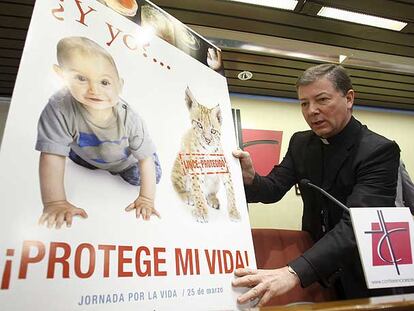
x=324 y=141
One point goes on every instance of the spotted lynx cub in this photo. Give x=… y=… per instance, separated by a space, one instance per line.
x=199 y=149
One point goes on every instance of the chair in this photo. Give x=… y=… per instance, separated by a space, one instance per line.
x=274 y=248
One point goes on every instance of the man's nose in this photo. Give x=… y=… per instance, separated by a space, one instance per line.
x=313 y=108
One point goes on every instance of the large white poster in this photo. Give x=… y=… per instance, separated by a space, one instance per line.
x=118 y=188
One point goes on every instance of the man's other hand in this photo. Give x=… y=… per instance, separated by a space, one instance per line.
x=246 y=165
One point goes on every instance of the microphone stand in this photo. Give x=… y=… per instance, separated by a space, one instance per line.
x=306 y=182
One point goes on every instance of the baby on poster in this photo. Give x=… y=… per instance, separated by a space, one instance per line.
x=88 y=122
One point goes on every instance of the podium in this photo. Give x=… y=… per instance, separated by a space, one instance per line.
x=384 y=303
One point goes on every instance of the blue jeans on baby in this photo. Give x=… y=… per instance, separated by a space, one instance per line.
x=131 y=175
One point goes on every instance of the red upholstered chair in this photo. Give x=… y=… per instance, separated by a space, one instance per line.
x=274 y=248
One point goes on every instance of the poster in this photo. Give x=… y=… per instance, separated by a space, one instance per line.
x=86 y=69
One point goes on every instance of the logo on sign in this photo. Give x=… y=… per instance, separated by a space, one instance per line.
x=390 y=243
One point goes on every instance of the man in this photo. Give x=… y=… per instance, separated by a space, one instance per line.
x=339 y=154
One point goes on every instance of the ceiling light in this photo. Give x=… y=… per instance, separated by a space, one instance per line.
x=245 y=75
x=342 y=58
x=279 y=4
x=360 y=18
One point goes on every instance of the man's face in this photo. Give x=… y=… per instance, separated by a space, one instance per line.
x=325 y=109
x=92 y=80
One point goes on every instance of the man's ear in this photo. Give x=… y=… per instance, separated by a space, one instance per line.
x=350 y=96
x=58 y=70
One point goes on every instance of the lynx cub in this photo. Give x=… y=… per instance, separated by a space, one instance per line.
x=201 y=149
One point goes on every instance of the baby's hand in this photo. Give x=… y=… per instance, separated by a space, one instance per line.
x=143 y=206
x=57 y=212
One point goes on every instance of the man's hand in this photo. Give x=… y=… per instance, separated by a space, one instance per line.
x=264 y=284
x=143 y=206
x=56 y=213
x=246 y=165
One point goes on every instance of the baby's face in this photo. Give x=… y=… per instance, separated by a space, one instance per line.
x=92 y=80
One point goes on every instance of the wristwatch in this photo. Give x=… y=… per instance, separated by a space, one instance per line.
x=291 y=270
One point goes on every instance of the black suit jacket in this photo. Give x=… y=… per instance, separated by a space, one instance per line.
x=359 y=168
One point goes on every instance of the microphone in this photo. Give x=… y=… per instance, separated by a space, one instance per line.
x=306 y=183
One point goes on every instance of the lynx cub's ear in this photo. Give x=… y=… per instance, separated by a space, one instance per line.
x=217 y=114
x=189 y=98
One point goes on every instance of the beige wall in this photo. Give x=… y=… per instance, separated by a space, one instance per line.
x=263 y=113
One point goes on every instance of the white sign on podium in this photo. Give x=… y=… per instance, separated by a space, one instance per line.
x=385 y=238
